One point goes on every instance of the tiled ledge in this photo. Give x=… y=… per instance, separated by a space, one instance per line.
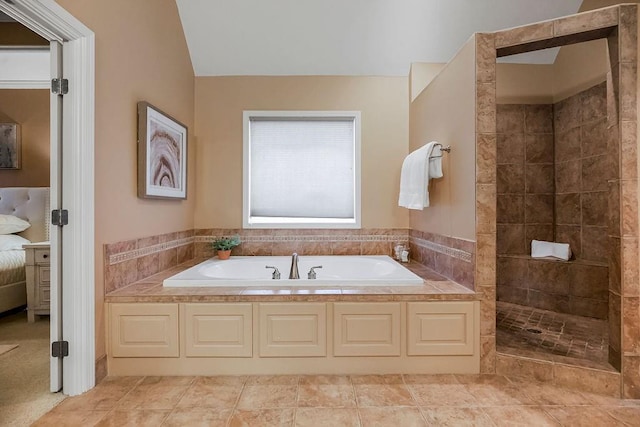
x=435 y=288
x=585 y=378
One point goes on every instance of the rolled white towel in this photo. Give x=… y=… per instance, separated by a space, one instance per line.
x=542 y=249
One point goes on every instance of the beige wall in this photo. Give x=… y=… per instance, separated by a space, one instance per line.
x=421 y=74
x=220 y=102
x=141 y=54
x=30 y=109
x=524 y=83
x=445 y=112
x=576 y=68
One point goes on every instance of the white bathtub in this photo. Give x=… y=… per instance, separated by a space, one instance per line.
x=375 y=270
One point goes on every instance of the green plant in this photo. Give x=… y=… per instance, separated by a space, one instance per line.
x=225 y=243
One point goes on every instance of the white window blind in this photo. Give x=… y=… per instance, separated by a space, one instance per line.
x=302 y=169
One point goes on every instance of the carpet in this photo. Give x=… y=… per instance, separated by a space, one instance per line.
x=5 y=348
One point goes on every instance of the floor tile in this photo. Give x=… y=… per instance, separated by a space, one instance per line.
x=321 y=395
x=391 y=416
x=629 y=416
x=272 y=380
x=212 y=392
x=152 y=397
x=498 y=395
x=383 y=395
x=325 y=379
x=70 y=419
x=567 y=335
x=139 y=418
x=197 y=417
x=581 y=416
x=176 y=381
x=262 y=418
x=377 y=379
x=457 y=417
x=547 y=394
x=430 y=379
x=268 y=396
x=334 y=417
x=520 y=416
x=442 y=395
x=104 y=396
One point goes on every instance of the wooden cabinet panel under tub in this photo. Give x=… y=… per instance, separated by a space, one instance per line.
x=366 y=329
x=218 y=330
x=441 y=328
x=144 y=330
x=293 y=329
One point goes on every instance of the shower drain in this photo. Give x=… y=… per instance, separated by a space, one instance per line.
x=533 y=330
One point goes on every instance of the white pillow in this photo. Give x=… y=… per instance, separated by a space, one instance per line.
x=11 y=242
x=12 y=224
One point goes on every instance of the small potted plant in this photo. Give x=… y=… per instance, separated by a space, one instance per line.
x=224 y=245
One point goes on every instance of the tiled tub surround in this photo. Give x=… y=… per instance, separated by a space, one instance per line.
x=265 y=242
x=132 y=260
x=451 y=257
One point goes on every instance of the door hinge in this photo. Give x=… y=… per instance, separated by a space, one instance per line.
x=60 y=86
x=60 y=349
x=60 y=217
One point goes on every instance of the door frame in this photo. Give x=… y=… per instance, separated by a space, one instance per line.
x=51 y=21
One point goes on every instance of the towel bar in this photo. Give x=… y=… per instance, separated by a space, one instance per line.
x=447 y=149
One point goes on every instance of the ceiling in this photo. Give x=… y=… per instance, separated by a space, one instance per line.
x=346 y=37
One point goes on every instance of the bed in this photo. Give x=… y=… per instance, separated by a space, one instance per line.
x=30 y=204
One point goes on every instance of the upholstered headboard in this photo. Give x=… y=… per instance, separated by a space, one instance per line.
x=30 y=204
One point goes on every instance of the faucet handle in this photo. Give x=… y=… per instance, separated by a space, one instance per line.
x=312 y=272
x=276 y=273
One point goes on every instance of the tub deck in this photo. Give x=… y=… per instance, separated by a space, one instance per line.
x=435 y=287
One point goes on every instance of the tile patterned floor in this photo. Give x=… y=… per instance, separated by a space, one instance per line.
x=360 y=400
x=527 y=328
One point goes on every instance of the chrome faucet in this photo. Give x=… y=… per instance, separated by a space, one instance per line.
x=293 y=273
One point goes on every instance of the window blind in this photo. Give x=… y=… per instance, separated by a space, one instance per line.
x=302 y=167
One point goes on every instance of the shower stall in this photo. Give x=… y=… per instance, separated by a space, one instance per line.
x=556 y=178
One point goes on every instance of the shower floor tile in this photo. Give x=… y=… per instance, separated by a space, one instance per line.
x=534 y=330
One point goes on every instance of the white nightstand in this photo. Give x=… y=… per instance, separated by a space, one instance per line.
x=38 y=279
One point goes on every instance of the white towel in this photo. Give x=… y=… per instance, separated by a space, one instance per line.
x=418 y=167
x=542 y=249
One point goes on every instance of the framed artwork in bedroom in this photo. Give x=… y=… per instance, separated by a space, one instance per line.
x=9 y=146
x=162 y=155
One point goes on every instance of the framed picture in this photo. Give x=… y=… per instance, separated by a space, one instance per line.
x=9 y=146
x=162 y=155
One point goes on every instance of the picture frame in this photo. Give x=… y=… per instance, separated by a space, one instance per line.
x=10 y=146
x=162 y=154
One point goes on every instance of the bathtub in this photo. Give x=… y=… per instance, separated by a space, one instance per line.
x=347 y=270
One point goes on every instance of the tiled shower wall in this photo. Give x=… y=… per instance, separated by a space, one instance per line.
x=525 y=176
x=530 y=183
x=582 y=173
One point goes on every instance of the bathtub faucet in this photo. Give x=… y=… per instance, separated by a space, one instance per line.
x=293 y=274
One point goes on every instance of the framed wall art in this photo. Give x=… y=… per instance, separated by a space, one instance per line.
x=9 y=146
x=162 y=154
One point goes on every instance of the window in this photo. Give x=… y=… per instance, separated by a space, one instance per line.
x=301 y=169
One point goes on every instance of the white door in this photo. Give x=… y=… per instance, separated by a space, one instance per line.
x=55 y=231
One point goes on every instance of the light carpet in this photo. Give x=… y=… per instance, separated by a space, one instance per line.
x=24 y=371
x=5 y=348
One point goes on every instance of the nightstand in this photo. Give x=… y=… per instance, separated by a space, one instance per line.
x=38 y=279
